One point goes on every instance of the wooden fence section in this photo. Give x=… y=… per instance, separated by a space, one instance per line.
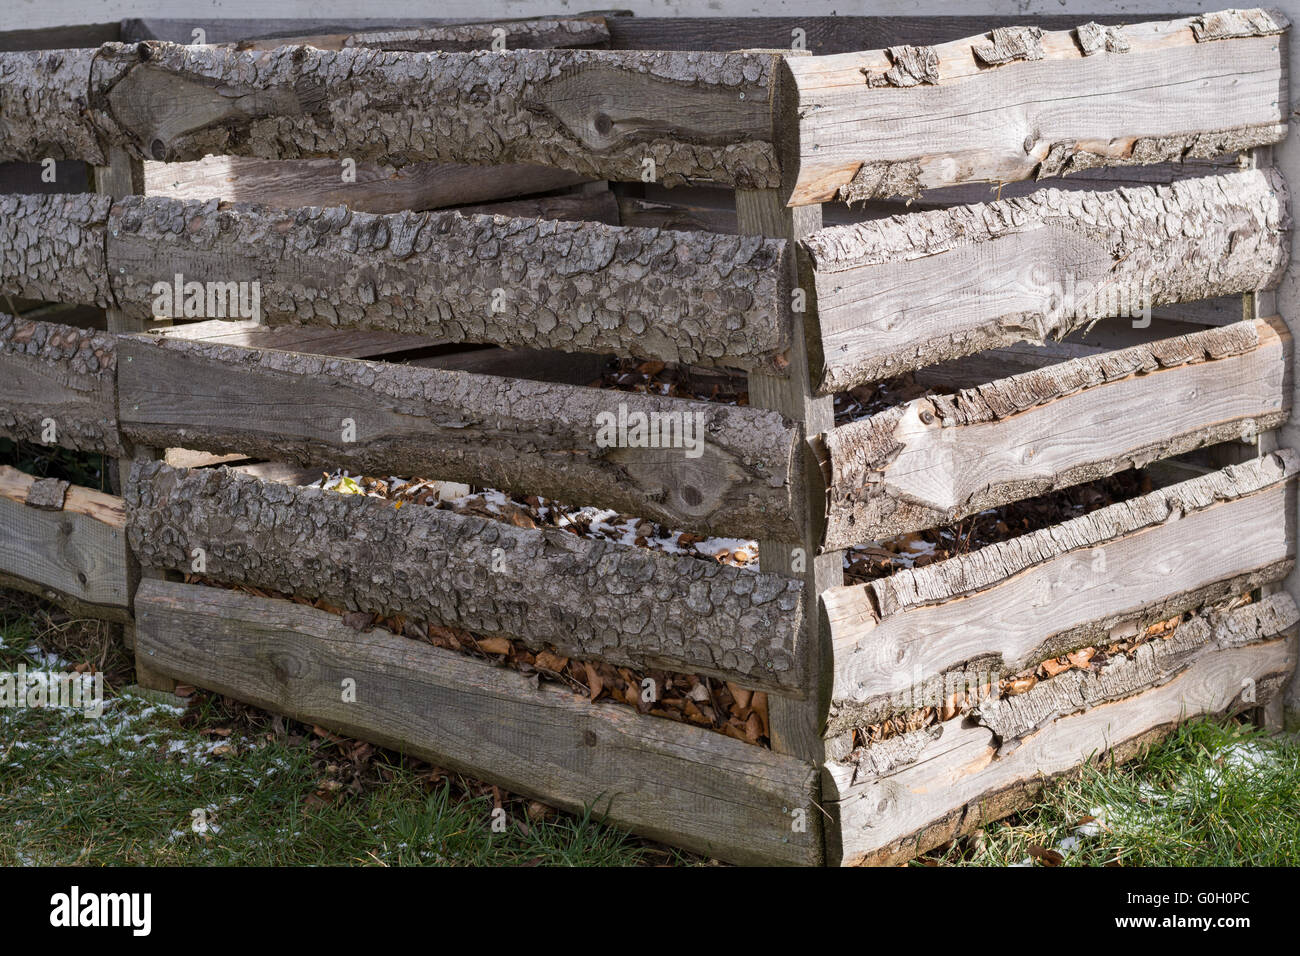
x=909 y=794
x=934 y=460
x=712 y=467
x=1023 y=103
x=899 y=293
x=589 y=599
x=65 y=543
x=668 y=781
x=1017 y=602
x=697 y=116
x=578 y=286
x=58 y=386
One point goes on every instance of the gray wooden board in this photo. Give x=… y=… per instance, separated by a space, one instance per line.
x=1014 y=603
x=737 y=474
x=75 y=556
x=672 y=782
x=965 y=780
x=863 y=127
x=896 y=294
x=934 y=460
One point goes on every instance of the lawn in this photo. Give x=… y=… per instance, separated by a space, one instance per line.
x=208 y=781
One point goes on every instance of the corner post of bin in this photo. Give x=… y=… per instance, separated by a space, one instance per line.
x=124 y=176
x=796 y=725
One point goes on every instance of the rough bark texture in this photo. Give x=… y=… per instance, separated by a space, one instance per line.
x=62 y=373
x=913 y=65
x=1007 y=44
x=52 y=247
x=911 y=290
x=900 y=641
x=525 y=436
x=902 y=470
x=1094 y=38
x=686 y=297
x=699 y=116
x=1231 y=24
x=588 y=599
x=43 y=106
x=47 y=494
x=1152 y=664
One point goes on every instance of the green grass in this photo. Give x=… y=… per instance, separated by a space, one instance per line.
x=1214 y=793
x=122 y=790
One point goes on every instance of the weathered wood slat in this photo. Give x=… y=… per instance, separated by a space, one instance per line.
x=672 y=782
x=344 y=343
x=553 y=33
x=291 y=183
x=52 y=247
x=933 y=460
x=589 y=599
x=688 y=297
x=899 y=293
x=71 y=551
x=1017 y=602
x=698 y=116
x=1023 y=103
x=738 y=477
x=965 y=776
x=60 y=377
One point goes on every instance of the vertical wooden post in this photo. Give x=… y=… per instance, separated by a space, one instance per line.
x=124 y=176
x=797 y=726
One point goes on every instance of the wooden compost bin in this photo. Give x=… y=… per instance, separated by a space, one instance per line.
x=481 y=213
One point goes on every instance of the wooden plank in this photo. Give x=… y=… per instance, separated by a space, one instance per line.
x=377 y=188
x=709 y=466
x=61 y=378
x=684 y=297
x=554 y=33
x=589 y=599
x=602 y=114
x=1017 y=602
x=573 y=207
x=1023 y=103
x=796 y=725
x=672 y=782
x=344 y=343
x=934 y=460
x=899 y=293
x=966 y=777
x=572 y=368
x=75 y=556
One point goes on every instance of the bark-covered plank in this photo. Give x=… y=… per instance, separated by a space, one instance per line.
x=1017 y=602
x=965 y=775
x=58 y=386
x=576 y=286
x=291 y=183
x=553 y=33
x=934 y=460
x=52 y=247
x=673 y=782
x=697 y=117
x=899 y=293
x=511 y=433
x=1022 y=102
x=587 y=598
x=75 y=555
